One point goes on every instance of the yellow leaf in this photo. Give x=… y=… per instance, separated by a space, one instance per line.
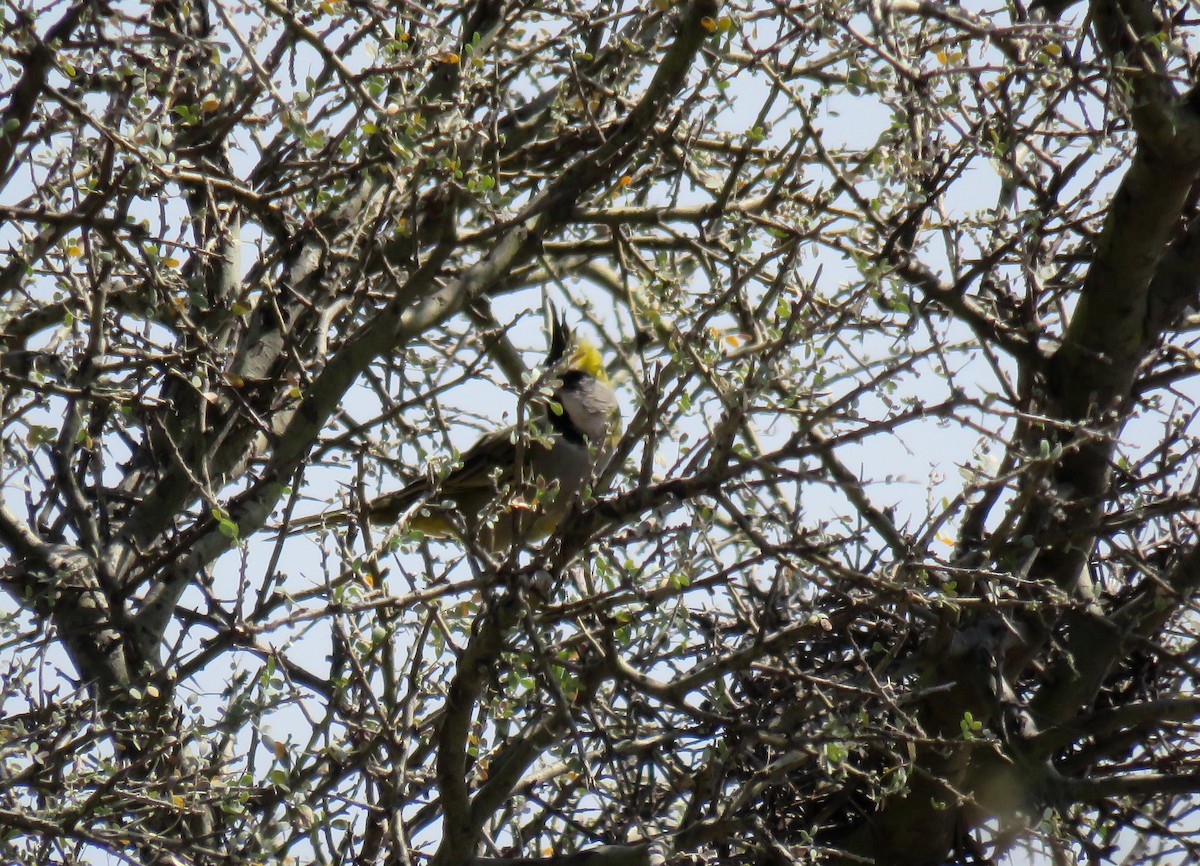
x=708 y=23
x=210 y=104
x=171 y=262
x=177 y=801
x=449 y=57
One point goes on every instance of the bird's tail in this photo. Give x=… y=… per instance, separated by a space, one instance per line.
x=391 y=509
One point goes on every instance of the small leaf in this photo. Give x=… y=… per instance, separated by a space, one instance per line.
x=39 y=435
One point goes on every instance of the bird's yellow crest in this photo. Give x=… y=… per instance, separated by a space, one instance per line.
x=586 y=358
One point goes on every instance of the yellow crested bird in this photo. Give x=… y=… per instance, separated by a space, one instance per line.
x=513 y=487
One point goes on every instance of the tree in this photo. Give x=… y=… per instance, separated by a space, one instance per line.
x=267 y=257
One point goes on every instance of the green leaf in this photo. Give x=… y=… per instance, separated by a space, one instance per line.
x=40 y=435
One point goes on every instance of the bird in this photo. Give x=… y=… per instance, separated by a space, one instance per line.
x=512 y=485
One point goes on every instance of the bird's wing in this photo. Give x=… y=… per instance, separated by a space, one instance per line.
x=472 y=478
x=479 y=463
x=473 y=481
